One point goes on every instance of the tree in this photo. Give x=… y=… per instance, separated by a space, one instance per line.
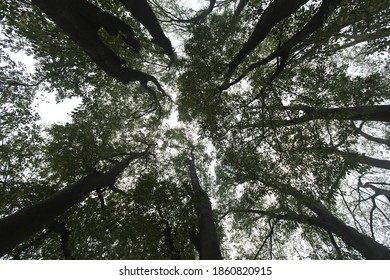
x=19 y=226
x=281 y=145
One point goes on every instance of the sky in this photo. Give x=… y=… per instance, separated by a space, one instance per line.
x=48 y=109
x=51 y=111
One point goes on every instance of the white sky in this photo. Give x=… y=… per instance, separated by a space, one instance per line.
x=52 y=112
x=48 y=109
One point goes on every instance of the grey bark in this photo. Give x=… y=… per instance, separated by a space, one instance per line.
x=207 y=239
x=19 y=226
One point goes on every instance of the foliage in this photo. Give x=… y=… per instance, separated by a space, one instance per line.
x=264 y=150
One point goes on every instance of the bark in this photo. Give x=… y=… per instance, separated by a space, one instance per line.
x=201 y=15
x=356 y=157
x=19 y=226
x=275 y=12
x=378 y=191
x=143 y=13
x=240 y=7
x=313 y=25
x=81 y=20
x=379 y=163
x=64 y=233
x=379 y=113
x=370 y=137
x=173 y=251
x=208 y=245
x=367 y=246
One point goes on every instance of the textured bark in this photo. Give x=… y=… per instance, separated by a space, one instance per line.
x=21 y=225
x=143 y=13
x=367 y=246
x=81 y=20
x=208 y=245
x=275 y=12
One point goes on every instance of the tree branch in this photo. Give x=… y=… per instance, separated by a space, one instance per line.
x=370 y=137
x=274 y=13
x=334 y=243
x=64 y=233
x=269 y=236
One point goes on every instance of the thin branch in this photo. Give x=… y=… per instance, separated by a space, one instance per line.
x=116 y=190
x=269 y=236
x=334 y=243
x=101 y=198
x=64 y=233
x=16 y=256
x=372 y=217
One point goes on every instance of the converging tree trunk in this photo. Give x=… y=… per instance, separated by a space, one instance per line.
x=19 y=226
x=370 y=137
x=379 y=113
x=367 y=246
x=81 y=20
x=208 y=245
x=275 y=12
x=142 y=12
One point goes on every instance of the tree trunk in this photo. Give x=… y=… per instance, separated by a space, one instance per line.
x=207 y=237
x=19 y=226
x=370 y=137
x=379 y=163
x=379 y=113
x=275 y=12
x=80 y=20
x=367 y=246
x=142 y=12
x=355 y=157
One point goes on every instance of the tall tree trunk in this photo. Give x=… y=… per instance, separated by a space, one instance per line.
x=208 y=245
x=356 y=157
x=378 y=113
x=379 y=163
x=275 y=12
x=19 y=226
x=80 y=20
x=143 y=13
x=367 y=246
x=370 y=137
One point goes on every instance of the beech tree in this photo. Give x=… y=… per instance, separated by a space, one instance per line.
x=278 y=148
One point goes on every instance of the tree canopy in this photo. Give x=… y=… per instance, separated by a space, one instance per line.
x=230 y=129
